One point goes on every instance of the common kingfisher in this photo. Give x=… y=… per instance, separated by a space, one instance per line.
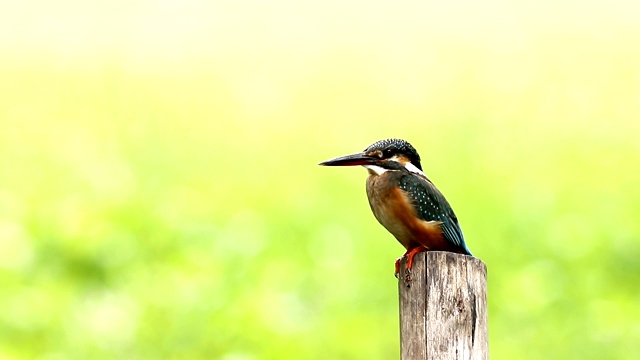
x=405 y=201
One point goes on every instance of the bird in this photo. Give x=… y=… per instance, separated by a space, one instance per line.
x=405 y=201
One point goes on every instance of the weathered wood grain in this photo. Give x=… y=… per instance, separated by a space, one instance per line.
x=443 y=307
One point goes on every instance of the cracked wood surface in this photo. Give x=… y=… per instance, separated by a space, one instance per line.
x=443 y=307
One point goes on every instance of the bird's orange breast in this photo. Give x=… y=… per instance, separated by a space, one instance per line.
x=393 y=209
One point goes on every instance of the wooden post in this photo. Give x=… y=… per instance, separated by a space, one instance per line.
x=443 y=307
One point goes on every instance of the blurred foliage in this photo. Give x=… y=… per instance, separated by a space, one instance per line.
x=160 y=198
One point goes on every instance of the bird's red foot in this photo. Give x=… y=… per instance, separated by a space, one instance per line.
x=410 y=254
x=397 y=269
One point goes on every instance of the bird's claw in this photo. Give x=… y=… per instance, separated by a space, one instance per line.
x=410 y=254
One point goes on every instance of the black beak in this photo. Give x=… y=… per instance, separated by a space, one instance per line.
x=350 y=160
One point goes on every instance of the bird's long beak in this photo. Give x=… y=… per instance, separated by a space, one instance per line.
x=350 y=160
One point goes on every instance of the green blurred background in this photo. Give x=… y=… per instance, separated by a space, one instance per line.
x=160 y=198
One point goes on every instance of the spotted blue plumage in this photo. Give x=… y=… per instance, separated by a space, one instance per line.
x=431 y=205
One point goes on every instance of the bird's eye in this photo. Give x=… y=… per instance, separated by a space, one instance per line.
x=387 y=153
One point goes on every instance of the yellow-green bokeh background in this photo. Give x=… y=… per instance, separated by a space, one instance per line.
x=160 y=198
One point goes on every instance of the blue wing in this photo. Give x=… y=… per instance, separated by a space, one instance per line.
x=431 y=205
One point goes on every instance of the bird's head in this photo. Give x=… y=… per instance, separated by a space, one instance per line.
x=381 y=156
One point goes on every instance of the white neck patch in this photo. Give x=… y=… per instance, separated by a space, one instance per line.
x=408 y=165
x=412 y=168
x=378 y=170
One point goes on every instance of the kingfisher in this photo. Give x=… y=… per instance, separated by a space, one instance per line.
x=405 y=201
